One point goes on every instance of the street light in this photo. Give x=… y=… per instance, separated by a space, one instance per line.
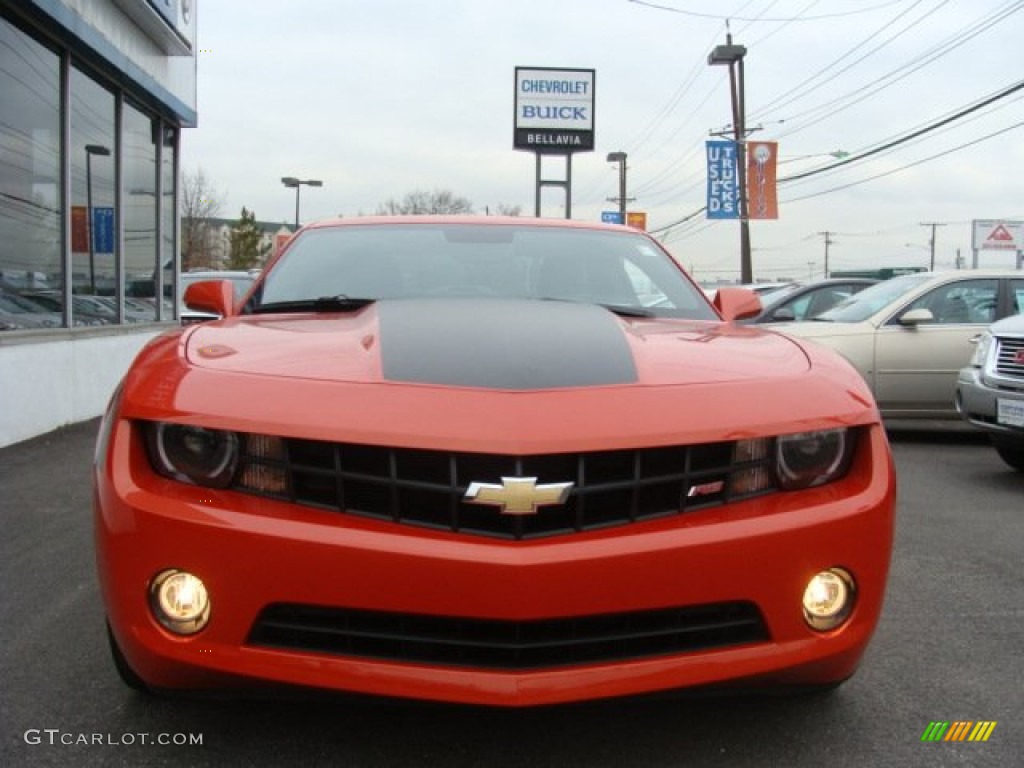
x=620 y=158
x=732 y=56
x=291 y=181
x=90 y=150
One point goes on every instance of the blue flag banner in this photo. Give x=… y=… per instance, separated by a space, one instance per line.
x=102 y=229
x=723 y=184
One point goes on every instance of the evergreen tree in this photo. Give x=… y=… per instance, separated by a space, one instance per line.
x=247 y=247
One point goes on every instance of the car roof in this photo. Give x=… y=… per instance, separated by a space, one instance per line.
x=214 y=274
x=960 y=273
x=487 y=221
x=1011 y=324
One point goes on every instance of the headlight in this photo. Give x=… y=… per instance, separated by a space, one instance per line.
x=812 y=458
x=191 y=454
x=828 y=599
x=981 y=349
x=179 y=601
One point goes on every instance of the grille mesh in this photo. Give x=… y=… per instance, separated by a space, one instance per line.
x=427 y=488
x=489 y=644
x=1009 y=359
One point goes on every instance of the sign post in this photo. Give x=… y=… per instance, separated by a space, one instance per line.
x=554 y=115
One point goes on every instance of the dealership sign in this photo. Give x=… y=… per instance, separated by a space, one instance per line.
x=554 y=110
x=723 y=180
x=997 y=235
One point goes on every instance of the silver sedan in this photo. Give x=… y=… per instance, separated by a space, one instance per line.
x=910 y=336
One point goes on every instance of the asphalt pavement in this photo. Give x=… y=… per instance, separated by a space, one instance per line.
x=948 y=649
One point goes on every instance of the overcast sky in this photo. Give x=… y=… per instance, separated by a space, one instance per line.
x=378 y=98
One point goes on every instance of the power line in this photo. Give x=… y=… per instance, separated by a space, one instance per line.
x=831 y=108
x=729 y=17
x=908 y=165
x=913 y=135
x=890 y=172
x=793 y=93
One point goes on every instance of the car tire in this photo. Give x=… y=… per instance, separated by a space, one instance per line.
x=124 y=670
x=1012 y=455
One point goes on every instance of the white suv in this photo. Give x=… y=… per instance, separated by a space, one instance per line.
x=990 y=391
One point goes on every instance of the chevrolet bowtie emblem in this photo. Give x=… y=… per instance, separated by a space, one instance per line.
x=518 y=495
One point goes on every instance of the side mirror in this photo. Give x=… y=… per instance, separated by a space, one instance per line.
x=737 y=303
x=915 y=317
x=215 y=296
x=784 y=315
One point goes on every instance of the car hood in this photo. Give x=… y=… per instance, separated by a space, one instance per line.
x=823 y=329
x=491 y=344
x=1011 y=326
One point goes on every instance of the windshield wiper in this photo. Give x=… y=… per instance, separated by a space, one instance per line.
x=624 y=311
x=339 y=303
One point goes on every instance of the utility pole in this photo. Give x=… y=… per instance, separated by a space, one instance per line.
x=931 y=240
x=621 y=200
x=828 y=241
x=732 y=56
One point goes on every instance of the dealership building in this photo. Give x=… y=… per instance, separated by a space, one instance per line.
x=94 y=95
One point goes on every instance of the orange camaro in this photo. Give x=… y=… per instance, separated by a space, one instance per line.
x=498 y=461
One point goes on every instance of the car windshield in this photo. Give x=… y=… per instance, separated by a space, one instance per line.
x=337 y=268
x=863 y=305
x=773 y=298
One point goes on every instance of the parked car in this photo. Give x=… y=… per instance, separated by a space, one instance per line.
x=805 y=301
x=465 y=459
x=18 y=313
x=990 y=391
x=241 y=281
x=910 y=336
x=87 y=310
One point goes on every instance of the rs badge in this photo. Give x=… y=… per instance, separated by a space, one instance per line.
x=518 y=495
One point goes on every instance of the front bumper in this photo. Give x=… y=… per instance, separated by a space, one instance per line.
x=977 y=403
x=253 y=553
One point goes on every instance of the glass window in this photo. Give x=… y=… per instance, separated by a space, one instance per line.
x=138 y=157
x=30 y=198
x=625 y=271
x=965 y=301
x=93 y=240
x=1016 y=296
x=168 y=210
x=863 y=305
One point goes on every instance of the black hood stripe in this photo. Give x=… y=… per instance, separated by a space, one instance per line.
x=503 y=344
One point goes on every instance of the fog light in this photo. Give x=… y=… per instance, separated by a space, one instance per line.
x=828 y=599
x=180 y=602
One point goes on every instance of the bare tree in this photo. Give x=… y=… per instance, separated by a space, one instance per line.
x=200 y=202
x=420 y=202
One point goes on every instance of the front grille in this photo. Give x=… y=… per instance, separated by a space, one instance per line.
x=427 y=488
x=491 y=644
x=1010 y=357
